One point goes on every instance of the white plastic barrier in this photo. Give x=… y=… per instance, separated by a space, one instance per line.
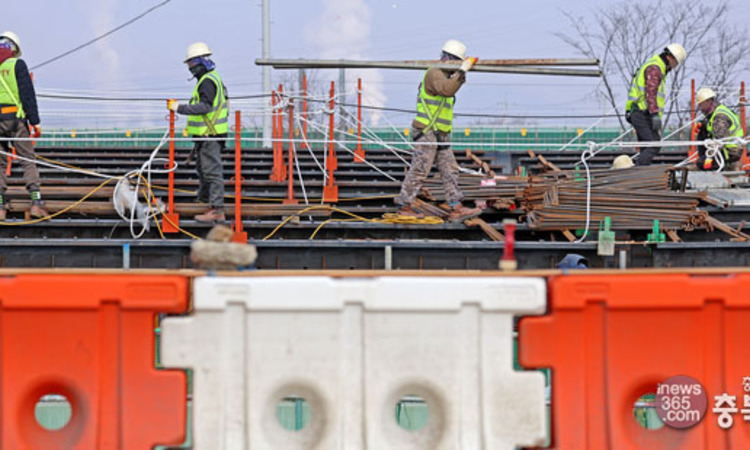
x=352 y=348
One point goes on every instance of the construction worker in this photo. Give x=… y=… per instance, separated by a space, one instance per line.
x=431 y=130
x=207 y=122
x=18 y=113
x=646 y=99
x=719 y=122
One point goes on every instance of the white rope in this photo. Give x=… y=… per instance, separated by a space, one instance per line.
x=591 y=151
x=134 y=204
x=578 y=136
x=337 y=142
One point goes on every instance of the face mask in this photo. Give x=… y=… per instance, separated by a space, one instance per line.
x=198 y=70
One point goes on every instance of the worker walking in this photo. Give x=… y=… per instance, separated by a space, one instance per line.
x=208 y=123
x=719 y=122
x=646 y=99
x=431 y=130
x=18 y=113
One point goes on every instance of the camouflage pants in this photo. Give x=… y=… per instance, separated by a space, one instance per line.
x=17 y=129
x=428 y=147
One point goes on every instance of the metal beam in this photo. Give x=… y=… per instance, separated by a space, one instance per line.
x=420 y=65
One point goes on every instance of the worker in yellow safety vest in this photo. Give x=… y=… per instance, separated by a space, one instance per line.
x=719 y=122
x=207 y=122
x=647 y=97
x=431 y=130
x=19 y=118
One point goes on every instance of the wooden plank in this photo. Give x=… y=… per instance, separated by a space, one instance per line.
x=487 y=228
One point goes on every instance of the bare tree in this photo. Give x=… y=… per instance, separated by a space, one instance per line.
x=624 y=35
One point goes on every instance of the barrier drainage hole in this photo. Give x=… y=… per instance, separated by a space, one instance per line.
x=293 y=413
x=412 y=412
x=644 y=411
x=53 y=412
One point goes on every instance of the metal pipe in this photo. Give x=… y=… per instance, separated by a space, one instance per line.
x=414 y=65
x=266 y=26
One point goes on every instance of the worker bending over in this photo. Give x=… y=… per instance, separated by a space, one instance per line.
x=719 y=122
x=646 y=98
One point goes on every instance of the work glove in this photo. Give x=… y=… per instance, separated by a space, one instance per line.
x=628 y=117
x=467 y=64
x=35 y=131
x=655 y=123
x=172 y=104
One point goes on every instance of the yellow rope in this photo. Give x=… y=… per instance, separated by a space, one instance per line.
x=387 y=218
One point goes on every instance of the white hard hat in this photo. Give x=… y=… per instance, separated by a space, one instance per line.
x=455 y=48
x=622 y=162
x=678 y=51
x=704 y=94
x=197 y=49
x=11 y=36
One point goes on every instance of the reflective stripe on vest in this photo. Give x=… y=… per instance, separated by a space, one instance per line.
x=637 y=93
x=434 y=111
x=9 y=86
x=216 y=120
x=735 y=130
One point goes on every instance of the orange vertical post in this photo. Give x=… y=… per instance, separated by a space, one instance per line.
x=304 y=110
x=290 y=200
x=692 y=152
x=330 y=190
x=10 y=160
x=171 y=220
x=275 y=171
x=359 y=153
x=743 y=120
x=282 y=169
x=239 y=234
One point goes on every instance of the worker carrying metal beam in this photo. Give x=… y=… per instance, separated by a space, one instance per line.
x=207 y=113
x=719 y=122
x=19 y=116
x=431 y=130
x=647 y=96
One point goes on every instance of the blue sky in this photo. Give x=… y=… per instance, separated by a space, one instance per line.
x=145 y=59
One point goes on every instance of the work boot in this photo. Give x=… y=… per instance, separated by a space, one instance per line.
x=38 y=211
x=210 y=216
x=459 y=213
x=408 y=211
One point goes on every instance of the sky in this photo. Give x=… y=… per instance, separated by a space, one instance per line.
x=145 y=58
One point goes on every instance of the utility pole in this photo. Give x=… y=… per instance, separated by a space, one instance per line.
x=266 y=26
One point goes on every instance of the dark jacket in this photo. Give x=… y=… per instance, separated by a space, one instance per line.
x=25 y=90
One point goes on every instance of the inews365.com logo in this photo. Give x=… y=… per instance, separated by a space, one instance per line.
x=681 y=402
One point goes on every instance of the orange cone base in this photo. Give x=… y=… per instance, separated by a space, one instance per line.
x=170 y=223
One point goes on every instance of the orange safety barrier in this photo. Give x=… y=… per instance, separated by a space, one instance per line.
x=304 y=112
x=91 y=339
x=612 y=339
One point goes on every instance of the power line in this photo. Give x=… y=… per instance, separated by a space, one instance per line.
x=102 y=36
